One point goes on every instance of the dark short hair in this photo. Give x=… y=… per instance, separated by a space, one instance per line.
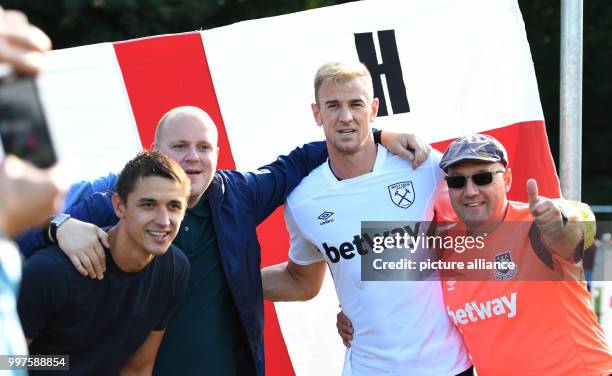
x=149 y=163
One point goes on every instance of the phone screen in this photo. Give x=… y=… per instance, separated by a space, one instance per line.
x=23 y=127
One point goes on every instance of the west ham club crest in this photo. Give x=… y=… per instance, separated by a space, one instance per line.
x=505 y=274
x=402 y=194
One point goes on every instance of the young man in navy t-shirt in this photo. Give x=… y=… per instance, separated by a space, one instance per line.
x=114 y=325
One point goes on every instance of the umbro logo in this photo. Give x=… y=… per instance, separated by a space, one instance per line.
x=326 y=217
x=451 y=283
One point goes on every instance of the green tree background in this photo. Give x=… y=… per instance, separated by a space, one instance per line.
x=77 y=22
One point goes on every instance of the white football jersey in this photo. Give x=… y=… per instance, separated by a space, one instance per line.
x=401 y=327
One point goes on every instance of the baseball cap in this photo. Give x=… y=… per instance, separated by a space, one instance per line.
x=475 y=147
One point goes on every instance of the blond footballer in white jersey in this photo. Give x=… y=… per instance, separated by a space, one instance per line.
x=402 y=326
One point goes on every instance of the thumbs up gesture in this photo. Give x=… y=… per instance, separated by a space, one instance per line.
x=546 y=213
x=559 y=235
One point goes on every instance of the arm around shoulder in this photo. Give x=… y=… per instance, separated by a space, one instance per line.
x=79 y=191
x=272 y=183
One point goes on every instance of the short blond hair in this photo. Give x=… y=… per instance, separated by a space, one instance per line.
x=341 y=72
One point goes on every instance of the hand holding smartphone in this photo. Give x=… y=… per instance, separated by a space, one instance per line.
x=23 y=127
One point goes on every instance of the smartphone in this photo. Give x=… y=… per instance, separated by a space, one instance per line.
x=23 y=127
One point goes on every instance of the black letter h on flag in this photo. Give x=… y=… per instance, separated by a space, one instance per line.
x=389 y=66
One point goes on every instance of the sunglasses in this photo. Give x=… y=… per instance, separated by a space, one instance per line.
x=480 y=179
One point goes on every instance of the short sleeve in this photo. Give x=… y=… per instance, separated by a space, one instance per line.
x=43 y=293
x=301 y=250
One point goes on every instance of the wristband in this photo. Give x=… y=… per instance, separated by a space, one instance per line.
x=55 y=223
x=377 y=135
